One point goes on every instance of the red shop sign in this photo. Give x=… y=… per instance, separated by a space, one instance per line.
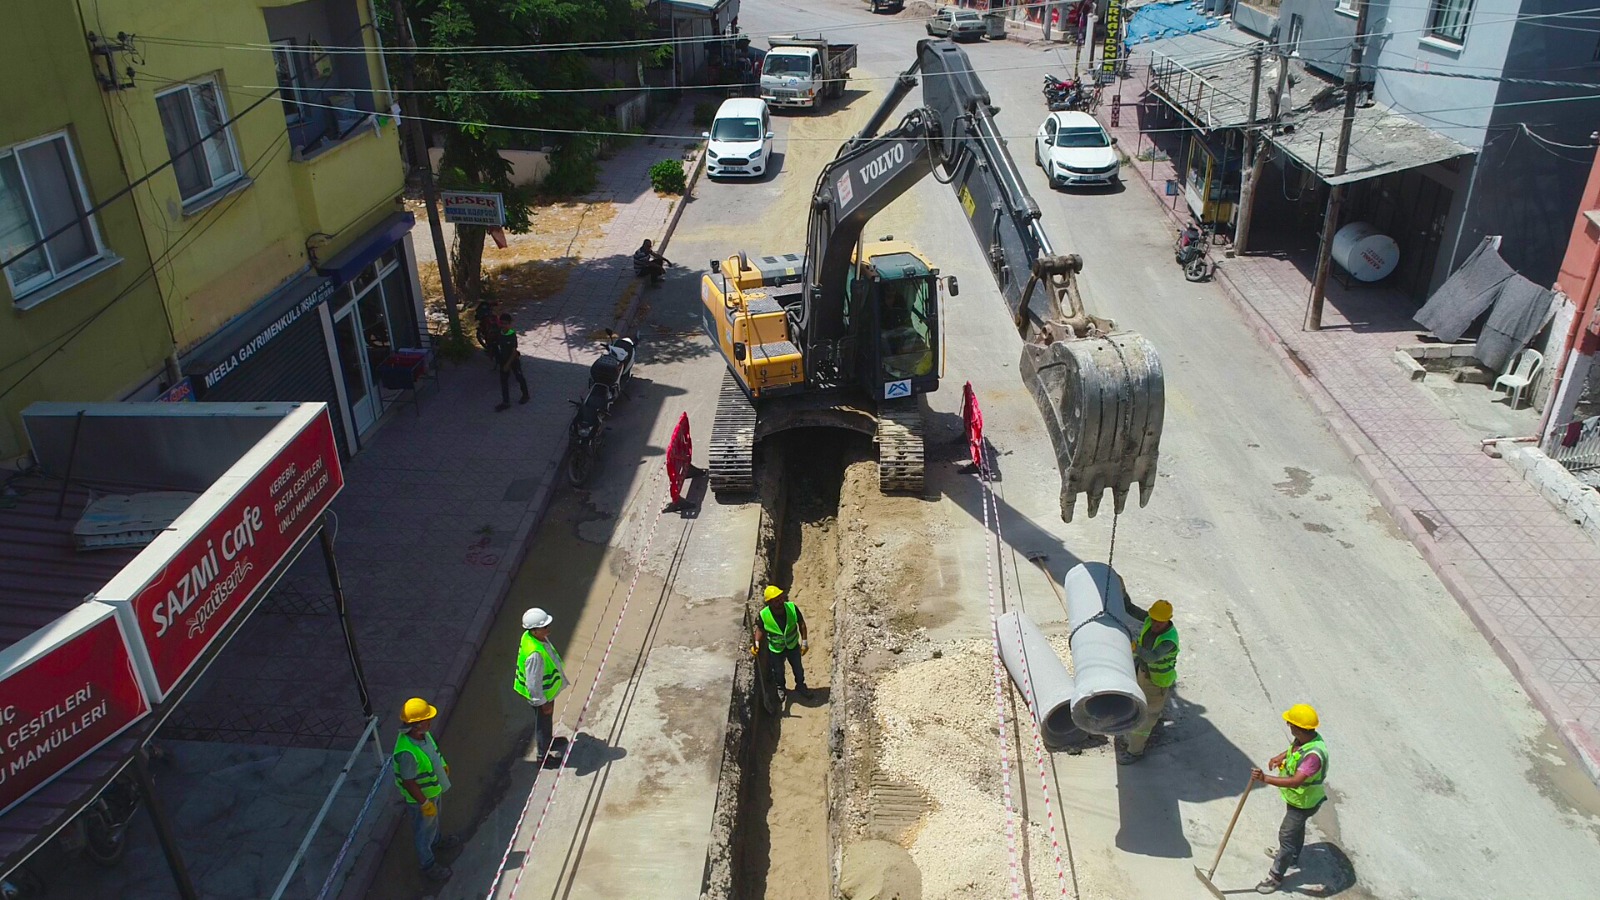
x=62 y=704
x=191 y=599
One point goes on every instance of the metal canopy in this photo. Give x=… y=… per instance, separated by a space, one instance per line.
x=1206 y=77
x=1381 y=141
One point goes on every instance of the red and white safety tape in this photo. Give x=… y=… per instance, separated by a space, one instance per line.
x=1015 y=867
x=1027 y=694
x=583 y=711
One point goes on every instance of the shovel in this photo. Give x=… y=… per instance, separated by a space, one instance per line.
x=1205 y=877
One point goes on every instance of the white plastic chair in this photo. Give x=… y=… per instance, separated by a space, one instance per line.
x=1520 y=375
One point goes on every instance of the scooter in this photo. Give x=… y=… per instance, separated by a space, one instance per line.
x=1191 y=250
x=608 y=379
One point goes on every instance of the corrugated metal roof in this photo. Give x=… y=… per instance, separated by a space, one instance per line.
x=42 y=574
x=1381 y=141
x=1207 y=75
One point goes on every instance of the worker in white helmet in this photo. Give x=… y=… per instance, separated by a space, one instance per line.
x=539 y=678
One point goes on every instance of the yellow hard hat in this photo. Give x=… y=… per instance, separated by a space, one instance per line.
x=1301 y=715
x=1161 y=611
x=417 y=710
x=772 y=592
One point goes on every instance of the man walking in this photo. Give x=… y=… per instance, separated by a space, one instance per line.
x=423 y=777
x=786 y=639
x=508 y=362
x=1155 y=660
x=1302 y=776
x=539 y=679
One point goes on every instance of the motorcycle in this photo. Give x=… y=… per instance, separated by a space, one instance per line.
x=1191 y=250
x=608 y=379
x=1061 y=96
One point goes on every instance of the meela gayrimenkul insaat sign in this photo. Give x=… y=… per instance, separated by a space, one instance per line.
x=62 y=702
x=279 y=325
x=205 y=582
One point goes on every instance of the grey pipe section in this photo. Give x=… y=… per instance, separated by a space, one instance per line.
x=1107 y=698
x=1037 y=670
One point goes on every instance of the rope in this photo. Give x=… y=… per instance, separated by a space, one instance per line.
x=1027 y=694
x=555 y=783
x=999 y=706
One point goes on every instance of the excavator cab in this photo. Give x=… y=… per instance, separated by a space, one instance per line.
x=898 y=290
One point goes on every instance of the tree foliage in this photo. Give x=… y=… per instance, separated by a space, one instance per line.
x=471 y=158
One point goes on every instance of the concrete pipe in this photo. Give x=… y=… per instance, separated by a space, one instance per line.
x=1107 y=698
x=1036 y=669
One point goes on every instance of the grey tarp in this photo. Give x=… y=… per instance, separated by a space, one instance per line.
x=1464 y=296
x=1522 y=311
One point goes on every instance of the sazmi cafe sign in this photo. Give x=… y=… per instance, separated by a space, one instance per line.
x=184 y=589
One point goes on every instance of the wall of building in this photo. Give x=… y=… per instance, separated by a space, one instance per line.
x=1582 y=242
x=227 y=255
x=110 y=330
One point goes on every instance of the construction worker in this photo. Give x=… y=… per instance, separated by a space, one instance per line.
x=1302 y=778
x=786 y=638
x=1155 y=660
x=423 y=777
x=538 y=663
x=508 y=362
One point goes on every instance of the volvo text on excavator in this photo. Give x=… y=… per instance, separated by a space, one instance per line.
x=850 y=334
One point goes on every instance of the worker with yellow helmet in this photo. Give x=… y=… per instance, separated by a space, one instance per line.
x=1155 y=661
x=1302 y=775
x=423 y=776
x=784 y=628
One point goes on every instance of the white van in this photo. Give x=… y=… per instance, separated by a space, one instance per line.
x=739 y=143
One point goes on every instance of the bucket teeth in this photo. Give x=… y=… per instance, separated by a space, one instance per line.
x=1102 y=400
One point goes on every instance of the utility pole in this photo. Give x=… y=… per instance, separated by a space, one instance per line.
x=1352 y=77
x=1247 y=190
x=419 y=158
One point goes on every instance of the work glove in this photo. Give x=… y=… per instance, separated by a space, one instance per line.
x=429 y=809
x=753 y=651
x=805 y=647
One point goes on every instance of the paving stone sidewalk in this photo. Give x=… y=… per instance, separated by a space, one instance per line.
x=433 y=523
x=1524 y=574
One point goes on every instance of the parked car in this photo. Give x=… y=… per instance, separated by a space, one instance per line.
x=957 y=24
x=739 y=143
x=1073 y=148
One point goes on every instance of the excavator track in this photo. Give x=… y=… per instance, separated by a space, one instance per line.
x=733 y=440
x=900 y=447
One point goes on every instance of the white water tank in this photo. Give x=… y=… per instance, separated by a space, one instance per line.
x=1365 y=253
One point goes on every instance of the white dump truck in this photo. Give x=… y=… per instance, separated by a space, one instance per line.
x=801 y=71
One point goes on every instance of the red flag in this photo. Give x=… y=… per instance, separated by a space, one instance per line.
x=972 y=421
x=680 y=453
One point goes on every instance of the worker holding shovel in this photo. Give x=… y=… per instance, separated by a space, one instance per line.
x=1302 y=777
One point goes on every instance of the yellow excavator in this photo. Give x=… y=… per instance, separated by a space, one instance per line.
x=850 y=334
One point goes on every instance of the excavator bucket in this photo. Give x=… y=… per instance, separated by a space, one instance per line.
x=1102 y=399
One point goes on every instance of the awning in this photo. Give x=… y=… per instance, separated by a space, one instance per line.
x=1206 y=76
x=344 y=267
x=1381 y=141
x=1165 y=19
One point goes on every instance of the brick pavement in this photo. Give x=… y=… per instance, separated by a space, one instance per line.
x=1523 y=573
x=435 y=517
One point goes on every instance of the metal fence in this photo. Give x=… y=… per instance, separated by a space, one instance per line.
x=1579 y=448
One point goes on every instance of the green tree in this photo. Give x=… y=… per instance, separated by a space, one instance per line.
x=471 y=159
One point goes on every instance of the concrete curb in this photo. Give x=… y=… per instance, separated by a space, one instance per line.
x=1363 y=453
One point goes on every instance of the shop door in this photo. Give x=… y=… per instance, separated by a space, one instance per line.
x=358 y=387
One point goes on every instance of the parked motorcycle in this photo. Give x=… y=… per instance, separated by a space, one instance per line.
x=1192 y=250
x=22 y=883
x=608 y=379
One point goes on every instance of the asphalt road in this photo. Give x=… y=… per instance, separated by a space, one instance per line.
x=1289 y=581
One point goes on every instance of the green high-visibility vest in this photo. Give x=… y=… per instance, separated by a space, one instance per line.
x=1164 y=670
x=553 y=679
x=785 y=638
x=1311 y=792
x=427 y=778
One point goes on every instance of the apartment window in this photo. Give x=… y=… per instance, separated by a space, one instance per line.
x=42 y=192
x=285 y=57
x=203 y=154
x=1347 y=6
x=1447 y=20
x=1297 y=25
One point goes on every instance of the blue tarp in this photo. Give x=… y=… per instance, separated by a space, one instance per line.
x=1164 y=20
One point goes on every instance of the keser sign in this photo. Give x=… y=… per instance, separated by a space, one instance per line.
x=64 y=703
x=203 y=585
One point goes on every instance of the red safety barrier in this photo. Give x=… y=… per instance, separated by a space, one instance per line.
x=972 y=421
x=680 y=456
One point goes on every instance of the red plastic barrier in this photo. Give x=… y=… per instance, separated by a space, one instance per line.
x=680 y=453
x=972 y=421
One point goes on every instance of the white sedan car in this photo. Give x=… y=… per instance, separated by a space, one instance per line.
x=1072 y=148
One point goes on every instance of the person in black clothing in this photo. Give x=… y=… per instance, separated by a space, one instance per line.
x=648 y=262
x=508 y=362
x=487 y=333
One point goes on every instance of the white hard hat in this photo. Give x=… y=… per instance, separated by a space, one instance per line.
x=536 y=618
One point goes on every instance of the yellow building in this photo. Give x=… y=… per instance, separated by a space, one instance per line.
x=265 y=135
